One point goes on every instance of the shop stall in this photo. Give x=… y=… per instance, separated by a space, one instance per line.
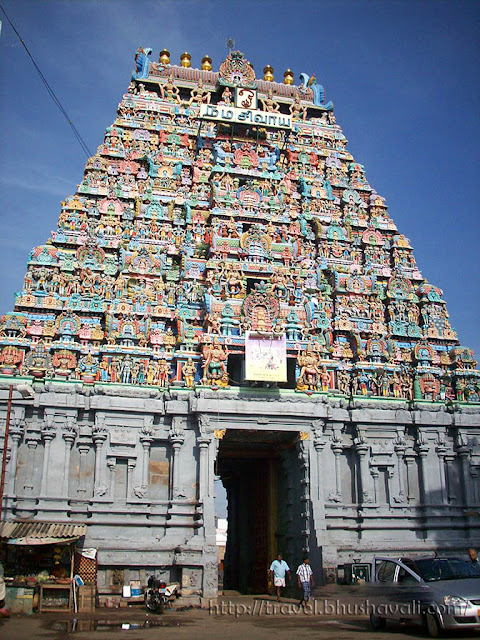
x=38 y=559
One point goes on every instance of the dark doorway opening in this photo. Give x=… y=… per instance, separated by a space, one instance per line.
x=260 y=471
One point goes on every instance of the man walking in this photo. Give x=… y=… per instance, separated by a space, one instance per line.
x=305 y=580
x=278 y=569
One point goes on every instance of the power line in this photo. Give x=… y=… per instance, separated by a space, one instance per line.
x=49 y=89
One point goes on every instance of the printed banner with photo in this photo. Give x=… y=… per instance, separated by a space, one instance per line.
x=265 y=358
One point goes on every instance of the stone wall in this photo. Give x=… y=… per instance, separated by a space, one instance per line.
x=137 y=466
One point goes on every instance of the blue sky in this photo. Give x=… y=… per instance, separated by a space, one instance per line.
x=403 y=75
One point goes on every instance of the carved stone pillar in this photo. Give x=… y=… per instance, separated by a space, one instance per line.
x=146 y=438
x=305 y=483
x=423 y=450
x=112 y=467
x=337 y=448
x=16 y=433
x=48 y=434
x=390 y=474
x=130 y=467
x=464 y=455
x=441 y=450
x=69 y=434
x=177 y=438
x=203 y=484
x=32 y=438
x=317 y=544
x=365 y=493
x=208 y=447
x=319 y=443
x=83 y=449
x=146 y=441
x=411 y=473
x=400 y=449
x=449 y=475
x=474 y=472
x=176 y=441
x=374 y=473
x=99 y=438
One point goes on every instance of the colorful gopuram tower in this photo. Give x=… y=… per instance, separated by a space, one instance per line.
x=225 y=294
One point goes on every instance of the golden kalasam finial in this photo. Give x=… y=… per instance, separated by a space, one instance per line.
x=288 y=77
x=164 y=57
x=185 y=59
x=268 y=73
x=206 y=63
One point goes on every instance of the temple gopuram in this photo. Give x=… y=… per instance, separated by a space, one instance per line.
x=226 y=296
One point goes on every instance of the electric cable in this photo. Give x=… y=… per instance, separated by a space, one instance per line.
x=49 y=89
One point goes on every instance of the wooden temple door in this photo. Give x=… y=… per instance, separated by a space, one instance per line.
x=264 y=523
x=249 y=464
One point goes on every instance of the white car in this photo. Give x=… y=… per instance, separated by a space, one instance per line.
x=443 y=593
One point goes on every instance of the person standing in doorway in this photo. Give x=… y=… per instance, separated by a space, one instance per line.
x=278 y=569
x=305 y=580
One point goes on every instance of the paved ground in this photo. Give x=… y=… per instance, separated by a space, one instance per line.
x=334 y=614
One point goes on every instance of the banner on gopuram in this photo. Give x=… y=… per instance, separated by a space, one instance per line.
x=265 y=357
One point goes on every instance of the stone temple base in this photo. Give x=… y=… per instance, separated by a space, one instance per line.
x=343 y=479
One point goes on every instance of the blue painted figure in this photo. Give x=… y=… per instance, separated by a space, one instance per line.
x=142 y=63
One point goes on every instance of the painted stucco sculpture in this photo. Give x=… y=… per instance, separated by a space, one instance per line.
x=167 y=209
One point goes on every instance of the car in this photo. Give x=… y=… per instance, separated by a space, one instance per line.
x=442 y=593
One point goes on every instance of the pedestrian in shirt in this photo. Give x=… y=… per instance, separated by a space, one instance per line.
x=3 y=609
x=278 y=569
x=472 y=553
x=305 y=580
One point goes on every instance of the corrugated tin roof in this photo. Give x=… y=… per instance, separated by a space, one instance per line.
x=35 y=529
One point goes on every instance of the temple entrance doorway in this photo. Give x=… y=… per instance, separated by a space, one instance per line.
x=261 y=473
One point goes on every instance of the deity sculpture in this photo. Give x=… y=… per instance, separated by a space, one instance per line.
x=309 y=363
x=228 y=321
x=152 y=372
x=298 y=110
x=199 y=95
x=87 y=367
x=343 y=381
x=163 y=379
x=170 y=91
x=10 y=358
x=324 y=379
x=103 y=372
x=293 y=326
x=189 y=371
x=214 y=363
x=227 y=97
x=269 y=104
x=64 y=363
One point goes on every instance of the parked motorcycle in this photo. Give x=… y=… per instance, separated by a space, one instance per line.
x=158 y=594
